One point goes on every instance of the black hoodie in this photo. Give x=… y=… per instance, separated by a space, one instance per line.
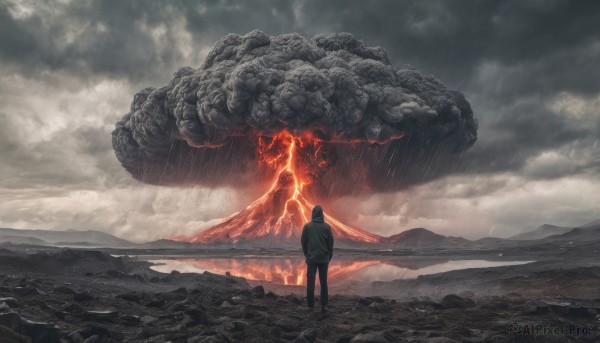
x=317 y=239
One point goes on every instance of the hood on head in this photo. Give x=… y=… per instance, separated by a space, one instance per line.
x=317 y=214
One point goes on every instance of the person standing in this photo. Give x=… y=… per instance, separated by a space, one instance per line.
x=317 y=245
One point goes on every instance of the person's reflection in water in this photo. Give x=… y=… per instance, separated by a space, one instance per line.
x=317 y=244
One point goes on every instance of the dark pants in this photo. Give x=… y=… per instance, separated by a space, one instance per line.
x=310 y=279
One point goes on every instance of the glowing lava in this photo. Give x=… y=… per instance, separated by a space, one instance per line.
x=280 y=214
x=280 y=271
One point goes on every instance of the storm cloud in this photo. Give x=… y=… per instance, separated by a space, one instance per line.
x=528 y=69
x=335 y=87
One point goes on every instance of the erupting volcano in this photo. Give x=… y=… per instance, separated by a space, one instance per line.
x=281 y=212
x=314 y=118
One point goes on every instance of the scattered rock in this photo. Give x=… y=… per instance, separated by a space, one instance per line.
x=375 y=299
x=364 y=301
x=130 y=320
x=25 y=291
x=454 y=301
x=569 y=310
x=64 y=290
x=541 y=309
x=199 y=316
x=462 y=331
x=9 y=302
x=92 y=339
x=95 y=330
x=425 y=306
x=171 y=333
x=101 y=315
x=130 y=296
x=372 y=337
x=226 y=304
x=76 y=337
x=236 y=326
x=156 y=303
x=178 y=307
x=204 y=339
x=308 y=335
x=180 y=290
x=295 y=300
x=9 y=336
x=244 y=314
x=250 y=313
x=73 y=308
x=257 y=307
x=467 y=294
x=82 y=296
x=288 y=324
x=380 y=307
x=344 y=339
x=148 y=319
x=288 y=336
x=37 y=331
x=258 y=291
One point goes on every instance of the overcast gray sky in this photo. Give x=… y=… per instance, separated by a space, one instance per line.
x=69 y=70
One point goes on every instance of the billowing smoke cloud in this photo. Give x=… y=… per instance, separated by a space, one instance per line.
x=384 y=127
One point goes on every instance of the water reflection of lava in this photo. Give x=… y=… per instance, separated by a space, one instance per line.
x=279 y=271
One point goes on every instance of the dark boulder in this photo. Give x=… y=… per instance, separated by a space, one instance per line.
x=37 y=331
x=258 y=291
x=9 y=302
x=130 y=320
x=26 y=291
x=101 y=315
x=63 y=290
x=454 y=301
x=130 y=296
x=9 y=336
x=373 y=337
x=288 y=324
x=198 y=315
x=82 y=296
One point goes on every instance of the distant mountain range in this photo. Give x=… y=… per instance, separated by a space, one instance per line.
x=63 y=238
x=589 y=230
x=421 y=238
x=543 y=231
x=585 y=233
x=417 y=238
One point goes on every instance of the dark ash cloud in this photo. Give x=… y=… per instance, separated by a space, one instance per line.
x=334 y=87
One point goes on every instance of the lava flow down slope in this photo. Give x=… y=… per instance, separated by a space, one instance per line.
x=310 y=119
x=279 y=215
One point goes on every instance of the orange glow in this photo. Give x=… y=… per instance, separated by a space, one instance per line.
x=282 y=211
x=281 y=271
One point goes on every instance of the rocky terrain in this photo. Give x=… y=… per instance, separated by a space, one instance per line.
x=90 y=296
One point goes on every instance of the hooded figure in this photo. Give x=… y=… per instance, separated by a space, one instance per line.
x=317 y=245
